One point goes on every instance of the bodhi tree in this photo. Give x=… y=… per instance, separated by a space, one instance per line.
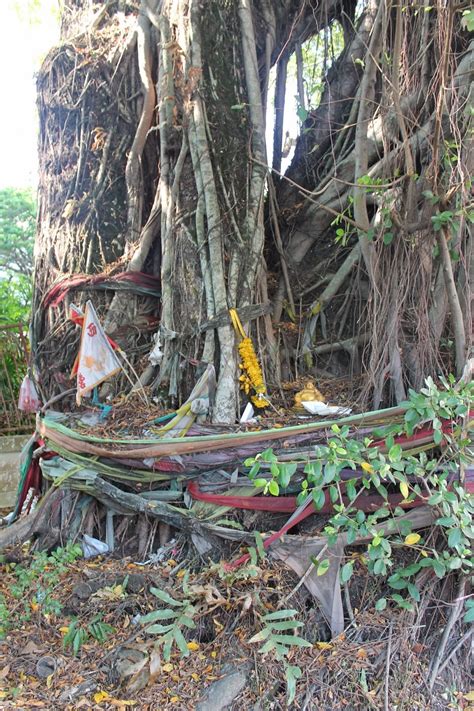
x=154 y=160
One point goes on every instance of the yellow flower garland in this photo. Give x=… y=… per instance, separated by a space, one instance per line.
x=252 y=376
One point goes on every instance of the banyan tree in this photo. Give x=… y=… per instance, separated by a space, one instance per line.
x=162 y=195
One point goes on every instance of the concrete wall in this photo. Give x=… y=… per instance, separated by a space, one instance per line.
x=10 y=448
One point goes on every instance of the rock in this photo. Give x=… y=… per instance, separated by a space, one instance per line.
x=82 y=590
x=45 y=666
x=222 y=692
x=136 y=582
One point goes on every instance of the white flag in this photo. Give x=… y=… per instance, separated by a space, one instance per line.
x=97 y=360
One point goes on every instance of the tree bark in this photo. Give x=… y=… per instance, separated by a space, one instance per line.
x=153 y=160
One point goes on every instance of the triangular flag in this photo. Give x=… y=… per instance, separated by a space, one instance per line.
x=97 y=360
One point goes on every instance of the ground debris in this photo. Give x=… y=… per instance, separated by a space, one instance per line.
x=222 y=669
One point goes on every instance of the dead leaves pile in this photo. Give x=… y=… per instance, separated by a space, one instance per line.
x=128 y=670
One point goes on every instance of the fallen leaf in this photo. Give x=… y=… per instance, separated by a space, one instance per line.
x=213 y=655
x=367 y=467
x=181 y=573
x=412 y=538
x=168 y=667
x=174 y=699
x=361 y=653
x=122 y=702
x=155 y=664
x=64 y=630
x=469 y=696
x=193 y=646
x=323 y=645
x=101 y=696
x=31 y=648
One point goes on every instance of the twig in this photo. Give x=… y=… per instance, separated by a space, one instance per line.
x=347 y=599
x=54 y=399
x=305 y=576
x=463 y=639
x=453 y=618
x=387 y=668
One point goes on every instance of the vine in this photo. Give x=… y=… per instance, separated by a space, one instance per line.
x=432 y=472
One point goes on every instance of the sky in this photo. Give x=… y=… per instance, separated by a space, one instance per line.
x=25 y=38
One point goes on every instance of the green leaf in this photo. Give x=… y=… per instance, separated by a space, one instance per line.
x=330 y=471
x=273 y=488
x=319 y=498
x=279 y=615
x=168 y=643
x=254 y=470
x=413 y=592
x=346 y=571
x=286 y=472
x=322 y=567
x=288 y=625
x=469 y=616
x=333 y=494
x=379 y=567
x=162 y=595
x=395 y=453
x=260 y=547
x=446 y=521
x=302 y=114
x=381 y=604
x=439 y=568
x=292 y=674
x=158 y=629
x=181 y=642
x=158 y=615
x=261 y=636
x=292 y=640
x=455 y=537
x=187 y=622
x=269 y=646
x=351 y=490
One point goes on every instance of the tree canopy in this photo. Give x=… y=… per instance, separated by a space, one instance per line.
x=17 y=232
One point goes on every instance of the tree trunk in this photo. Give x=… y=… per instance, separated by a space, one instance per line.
x=153 y=160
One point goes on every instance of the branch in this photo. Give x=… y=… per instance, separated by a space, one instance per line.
x=453 y=299
x=453 y=618
x=279 y=107
x=132 y=171
x=367 y=94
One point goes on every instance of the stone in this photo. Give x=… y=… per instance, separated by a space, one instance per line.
x=221 y=693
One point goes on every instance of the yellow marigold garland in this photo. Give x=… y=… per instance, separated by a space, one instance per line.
x=252 y=376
